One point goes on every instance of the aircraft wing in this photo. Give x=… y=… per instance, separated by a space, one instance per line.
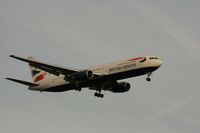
x=52 y=69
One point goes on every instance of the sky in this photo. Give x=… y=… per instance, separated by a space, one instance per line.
x=83 y=33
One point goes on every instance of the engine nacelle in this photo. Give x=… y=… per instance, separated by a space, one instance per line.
x=121 y=87
x=83 y=75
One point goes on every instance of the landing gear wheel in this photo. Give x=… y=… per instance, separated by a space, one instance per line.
x=98 y=95
x=101 y=95
x=148 y=76
x=78 y=89
x=148 y=79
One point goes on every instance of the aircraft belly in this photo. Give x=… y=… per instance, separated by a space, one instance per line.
x=118 y=76
x=130 y=73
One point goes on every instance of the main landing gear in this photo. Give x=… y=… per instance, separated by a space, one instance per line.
x=78 y=89
x=148 y=77
x=96 y=94
x=98 y=91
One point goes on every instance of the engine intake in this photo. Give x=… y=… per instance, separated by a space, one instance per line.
x=121 y=87
x=83 y=75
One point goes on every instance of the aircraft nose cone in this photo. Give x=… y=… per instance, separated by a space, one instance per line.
x=159 y=63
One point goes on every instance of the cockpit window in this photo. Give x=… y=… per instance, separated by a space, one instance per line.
x=151 y=58
x=143 y=60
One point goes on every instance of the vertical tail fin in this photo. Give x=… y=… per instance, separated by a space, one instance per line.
x=37 y=74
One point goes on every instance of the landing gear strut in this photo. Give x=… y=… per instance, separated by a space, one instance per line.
x=148 y=76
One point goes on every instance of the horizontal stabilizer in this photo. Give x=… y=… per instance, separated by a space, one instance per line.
x=23 y=82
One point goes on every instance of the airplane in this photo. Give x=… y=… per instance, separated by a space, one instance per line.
x=52 y=78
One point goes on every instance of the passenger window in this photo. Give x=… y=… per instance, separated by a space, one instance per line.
x=151 y=58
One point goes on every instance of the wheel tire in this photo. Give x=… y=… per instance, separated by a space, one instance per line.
x=148 y=79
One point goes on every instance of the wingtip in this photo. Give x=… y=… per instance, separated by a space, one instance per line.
x=7 y=78
x=12 y=56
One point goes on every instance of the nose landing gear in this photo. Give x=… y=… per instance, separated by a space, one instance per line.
x=148 y=77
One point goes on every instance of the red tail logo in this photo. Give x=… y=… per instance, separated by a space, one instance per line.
x=40 y=77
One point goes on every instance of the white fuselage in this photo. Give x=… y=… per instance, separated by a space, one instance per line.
x=116 y=68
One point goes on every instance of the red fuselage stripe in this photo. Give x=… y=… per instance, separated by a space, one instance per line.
x=134 y=59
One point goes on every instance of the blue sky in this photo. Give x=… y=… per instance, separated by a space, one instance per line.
x=79 y=34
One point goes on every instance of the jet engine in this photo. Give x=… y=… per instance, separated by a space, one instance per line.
x=121 y=87
x=83 y=75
